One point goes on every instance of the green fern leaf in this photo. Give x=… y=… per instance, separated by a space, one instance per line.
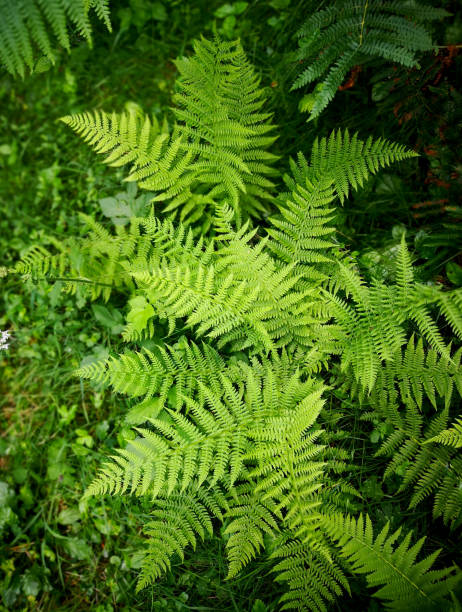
x=390 y=564
x=29 y=27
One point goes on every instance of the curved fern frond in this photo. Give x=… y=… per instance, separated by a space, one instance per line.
x=31 y=28
x=449 y=437
x=209 y=445
x=349 y=161
x=302 y=234
x=336 y=38
x=389 y=563
x=125 y=138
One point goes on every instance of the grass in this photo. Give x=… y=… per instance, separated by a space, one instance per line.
x=57 y=552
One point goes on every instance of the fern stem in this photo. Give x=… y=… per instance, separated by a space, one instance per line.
x=363 y=22
x=54 y=279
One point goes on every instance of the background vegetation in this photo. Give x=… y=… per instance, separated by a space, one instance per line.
x=57 y=553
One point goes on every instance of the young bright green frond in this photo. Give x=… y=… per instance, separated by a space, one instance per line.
x=349 y=161
x=220 y=108
x=388 y=562
x=260 y=444
x=97 y=264
x=302 y=233
x=218 y=149
x=81 y=270
x=154 y=372
x=29 y=29
x=449 y=437
x=254 y=306
x=125 y=138
x=209 y=444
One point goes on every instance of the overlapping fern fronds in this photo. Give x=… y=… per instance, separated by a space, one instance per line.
x=449 y=437
x=154 y=372
x=234 y=431
x=178 y=521
x=259 y=446
x=303 y=232
x=422 y=464
x=218 y=148
x=348 y=33
x=30 y=29
x=373 y=328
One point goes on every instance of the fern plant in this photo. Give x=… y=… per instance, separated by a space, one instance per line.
x=30 y=29
x=231 y=327
x=345 y=34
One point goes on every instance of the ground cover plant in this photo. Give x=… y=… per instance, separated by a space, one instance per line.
x=271 y=361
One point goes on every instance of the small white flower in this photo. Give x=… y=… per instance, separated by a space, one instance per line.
x=4 y=337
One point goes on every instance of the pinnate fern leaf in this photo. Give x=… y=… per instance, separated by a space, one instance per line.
x=31 y=28
x=336 y=38
x=389 y=564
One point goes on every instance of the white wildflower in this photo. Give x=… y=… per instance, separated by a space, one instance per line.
x=4 y=337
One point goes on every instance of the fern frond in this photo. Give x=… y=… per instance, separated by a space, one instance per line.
x=155 y=372
x=30 y=28
x=314 y=578
x=431 y=470
x=336 y=38
x=389 y=563
x=124 y=138
x=218 y=148
x=449 y=437
x=373 y=331
x=349 y=161
x=302 y=233
x=250 y=519
x=177 y=522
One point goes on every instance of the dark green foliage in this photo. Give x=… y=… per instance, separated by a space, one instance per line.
x=422 y=463
x=335 y=39
x=386 y=561
x=28 y=27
